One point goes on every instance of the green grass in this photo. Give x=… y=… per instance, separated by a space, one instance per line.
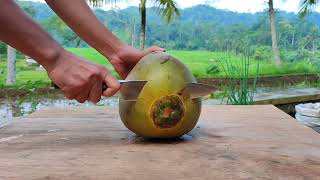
x=90 y=54
x=25 y=74
x=199 y=62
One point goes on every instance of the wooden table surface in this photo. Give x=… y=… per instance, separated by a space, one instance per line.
x=229 y=142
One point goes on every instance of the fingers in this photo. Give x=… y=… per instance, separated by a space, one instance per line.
x=113 y=85
x=92 y=89
x=82 y=97
x=82 y=80
x=95 y=93
x=78 y=92
x=154 y=49
x=73 y=91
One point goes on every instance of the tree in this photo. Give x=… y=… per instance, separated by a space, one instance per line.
x=275 y=47
x=306 y=6
x=167 y=9
x=287 y=34
x=11 y=52
x=11 y=66
x=56 y=26
x=28 y=8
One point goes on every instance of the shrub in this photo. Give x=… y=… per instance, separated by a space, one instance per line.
x=240 y=90
x=3 y=48
x=262 y=53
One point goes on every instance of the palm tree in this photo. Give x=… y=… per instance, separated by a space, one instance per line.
x=275 y=48
x=306 y=6
x=167 y=9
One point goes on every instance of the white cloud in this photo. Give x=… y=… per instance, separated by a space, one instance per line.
x=232 y=5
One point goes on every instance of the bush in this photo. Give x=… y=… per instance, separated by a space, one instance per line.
x=295 y=56
x=262 y=53
x=239 y=90
x=301 y=56
x=3 y=48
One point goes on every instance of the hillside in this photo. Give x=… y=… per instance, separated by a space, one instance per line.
x=200 y=13
x=198 y=28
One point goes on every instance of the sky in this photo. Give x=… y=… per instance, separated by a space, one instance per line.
x=250 y=6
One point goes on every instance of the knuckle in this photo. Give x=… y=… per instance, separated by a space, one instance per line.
x=101 y=68
x=113 y=91
x=80 y=100
x=72 y=87
x=69 y=96
x=117 y=86
x=94 y=73
x=109 y=94
x=77 y=85
x=95 y=100
x=114 y=87
x=107 y=73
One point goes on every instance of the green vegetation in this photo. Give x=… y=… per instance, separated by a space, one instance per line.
x=25 y=74
x=203 y=43
x=90 y=54
x=201 y=63
x=239 y=89
x=218 y=30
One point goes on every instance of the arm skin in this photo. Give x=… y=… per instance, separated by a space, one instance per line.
x=78 y=78
x=81 y=19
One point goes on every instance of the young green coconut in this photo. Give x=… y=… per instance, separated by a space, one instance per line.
x=161 y=110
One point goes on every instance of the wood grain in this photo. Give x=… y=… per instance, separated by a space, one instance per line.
x=230 y=142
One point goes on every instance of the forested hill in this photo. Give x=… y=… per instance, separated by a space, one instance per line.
x=200 y=13
x=198 y=28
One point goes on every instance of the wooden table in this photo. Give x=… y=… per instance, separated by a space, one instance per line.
x=230 y=142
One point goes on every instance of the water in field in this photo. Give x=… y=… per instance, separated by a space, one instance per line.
x=10 y=108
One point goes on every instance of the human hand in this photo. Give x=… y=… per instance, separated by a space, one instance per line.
x=82 y=80
x=127 y=57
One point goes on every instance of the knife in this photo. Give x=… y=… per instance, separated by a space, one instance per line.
x=129 y=89
x=197 y=90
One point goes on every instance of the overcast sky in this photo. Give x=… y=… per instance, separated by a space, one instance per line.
x=232 y=5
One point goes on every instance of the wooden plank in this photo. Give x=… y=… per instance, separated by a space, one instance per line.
x=266 y=81
x=230 y=142
x=289 y=100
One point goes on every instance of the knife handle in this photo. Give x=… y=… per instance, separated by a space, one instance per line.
x=105 y=86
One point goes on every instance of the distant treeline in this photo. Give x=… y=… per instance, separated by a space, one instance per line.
x=201 y=28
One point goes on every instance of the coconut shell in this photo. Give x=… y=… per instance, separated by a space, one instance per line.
x=161 y=110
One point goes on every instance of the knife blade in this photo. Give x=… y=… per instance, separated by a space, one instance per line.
x=130 y=89
x=197 y=90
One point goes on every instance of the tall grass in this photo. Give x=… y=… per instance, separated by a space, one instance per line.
x=240 y=90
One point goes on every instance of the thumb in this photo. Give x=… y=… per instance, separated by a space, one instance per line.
x=154 y=49
x=113 y=85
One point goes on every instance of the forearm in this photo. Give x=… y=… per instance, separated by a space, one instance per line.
x=21 y=32
x=81 y=19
